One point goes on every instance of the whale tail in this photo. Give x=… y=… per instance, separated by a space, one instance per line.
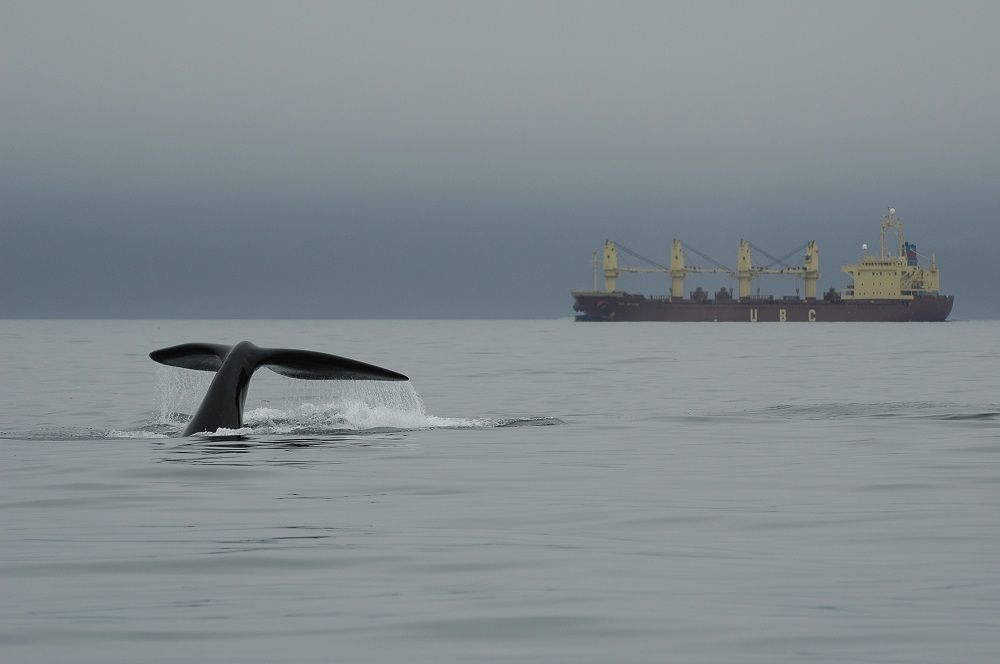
x=222 y=406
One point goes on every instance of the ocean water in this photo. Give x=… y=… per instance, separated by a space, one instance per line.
x=542 y=491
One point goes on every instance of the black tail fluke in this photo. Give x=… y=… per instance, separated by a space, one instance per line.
x=302 y=364
x=310 y=365
x=222 y=406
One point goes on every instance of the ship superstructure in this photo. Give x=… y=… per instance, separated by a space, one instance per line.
x=892 y=286
x=896 y=276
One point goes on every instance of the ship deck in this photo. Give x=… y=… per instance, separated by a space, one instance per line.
x=620 y=306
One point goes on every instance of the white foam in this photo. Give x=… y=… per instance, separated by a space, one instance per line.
x=351 y=415
x=223 y=432
x=344 y=416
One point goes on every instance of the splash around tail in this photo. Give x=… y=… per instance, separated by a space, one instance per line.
x=222 y=406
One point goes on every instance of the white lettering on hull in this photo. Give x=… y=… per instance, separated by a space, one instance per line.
x=753 y=315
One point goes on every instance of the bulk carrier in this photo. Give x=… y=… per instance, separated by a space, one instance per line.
x=890 y=286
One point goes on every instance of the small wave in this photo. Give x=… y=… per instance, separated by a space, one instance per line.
x=54 y=434
x=909 y=410
x=83 y=433
x=115 y=433
x=527 y=422
x=972 y=416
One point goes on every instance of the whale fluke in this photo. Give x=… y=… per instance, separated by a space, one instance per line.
x=222 y=406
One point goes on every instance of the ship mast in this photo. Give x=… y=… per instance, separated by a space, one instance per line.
x=890 y=220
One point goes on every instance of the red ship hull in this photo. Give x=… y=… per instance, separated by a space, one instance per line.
x=596 y=306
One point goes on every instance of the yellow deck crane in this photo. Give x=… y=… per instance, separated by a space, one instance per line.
x=679 y=269
x=809 y=272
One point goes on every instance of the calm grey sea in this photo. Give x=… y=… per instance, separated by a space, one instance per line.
x=545 y=491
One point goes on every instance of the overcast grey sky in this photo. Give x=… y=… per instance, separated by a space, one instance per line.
x=463 y=159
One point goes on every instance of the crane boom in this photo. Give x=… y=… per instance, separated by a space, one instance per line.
x=679 y=269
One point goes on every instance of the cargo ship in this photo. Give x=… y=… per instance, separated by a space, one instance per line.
x=892 y=286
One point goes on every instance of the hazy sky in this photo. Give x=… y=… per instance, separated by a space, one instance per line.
x=463 y=159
